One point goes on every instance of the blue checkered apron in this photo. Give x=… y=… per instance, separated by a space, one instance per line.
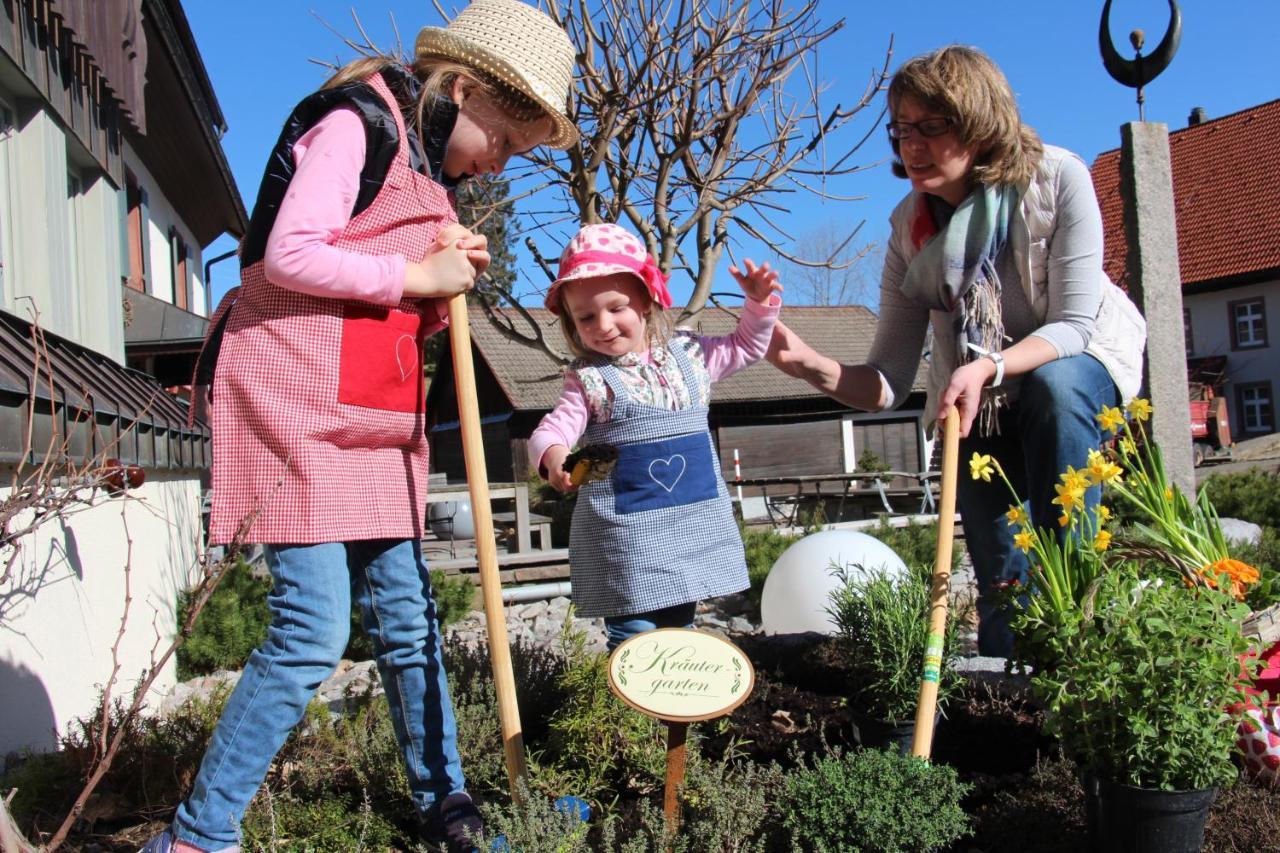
x=660 y=530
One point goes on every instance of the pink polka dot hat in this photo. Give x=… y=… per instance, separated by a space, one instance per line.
x=606 y=249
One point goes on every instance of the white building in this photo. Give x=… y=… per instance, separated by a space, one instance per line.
x=1226 y=176
x=112 y=180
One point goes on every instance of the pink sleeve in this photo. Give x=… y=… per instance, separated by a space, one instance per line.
x=564 y=424
x=748 y=343
x=300 y=255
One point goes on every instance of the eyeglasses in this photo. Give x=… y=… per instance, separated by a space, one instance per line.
x=928 y=127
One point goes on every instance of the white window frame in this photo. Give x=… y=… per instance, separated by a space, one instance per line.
x=1252 y=314
x=1251 y=410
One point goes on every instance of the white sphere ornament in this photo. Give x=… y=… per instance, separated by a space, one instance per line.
x=798 y=590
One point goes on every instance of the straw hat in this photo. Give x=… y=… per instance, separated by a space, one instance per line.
x=516 y=44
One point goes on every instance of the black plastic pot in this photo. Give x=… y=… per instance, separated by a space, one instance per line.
x=879 y=734
x=1125 y=819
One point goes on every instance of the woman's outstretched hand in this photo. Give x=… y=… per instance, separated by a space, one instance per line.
x=757 y=282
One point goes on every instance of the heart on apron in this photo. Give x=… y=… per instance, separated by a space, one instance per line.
x=406 y=356
x=667 y=472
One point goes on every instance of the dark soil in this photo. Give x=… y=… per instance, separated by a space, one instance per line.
x=1026 y=797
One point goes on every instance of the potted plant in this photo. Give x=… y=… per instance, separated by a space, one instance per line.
x=883 y=626
x=1140 y=704
x=1135 y=639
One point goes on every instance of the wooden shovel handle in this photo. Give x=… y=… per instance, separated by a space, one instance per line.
x=939 y=595
x=504 y=682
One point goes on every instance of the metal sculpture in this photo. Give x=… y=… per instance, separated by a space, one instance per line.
x=1140 y=70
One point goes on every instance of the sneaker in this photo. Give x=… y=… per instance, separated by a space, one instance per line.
x=451 y=821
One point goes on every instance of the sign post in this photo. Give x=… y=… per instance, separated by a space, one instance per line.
x=679 y=676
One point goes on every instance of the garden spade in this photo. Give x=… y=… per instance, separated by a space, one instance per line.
x=940 y=590
x=504 y=683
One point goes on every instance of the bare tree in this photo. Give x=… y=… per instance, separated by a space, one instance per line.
x=698 y=118
x=841 y=271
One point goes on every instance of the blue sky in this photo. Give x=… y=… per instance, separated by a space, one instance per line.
x=257 y=54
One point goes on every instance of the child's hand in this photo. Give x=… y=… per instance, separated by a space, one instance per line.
x=758 y=283
x=448 y=268
x=553 y=462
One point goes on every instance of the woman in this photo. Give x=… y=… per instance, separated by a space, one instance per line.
x=999 y=247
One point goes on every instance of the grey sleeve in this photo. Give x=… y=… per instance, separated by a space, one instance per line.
x=900 y=331
x=1075 y=262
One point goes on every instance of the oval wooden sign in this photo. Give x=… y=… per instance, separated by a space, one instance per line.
x=680 y=675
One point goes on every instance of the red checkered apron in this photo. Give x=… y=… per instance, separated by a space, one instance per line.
x=318 y=404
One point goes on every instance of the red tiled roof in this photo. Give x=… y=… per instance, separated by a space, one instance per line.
x=1226 y=186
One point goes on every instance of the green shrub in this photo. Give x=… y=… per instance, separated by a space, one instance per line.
x=283 y=822
x=1265 y=557
x=883 y=625
x=728 y=807
x=234 y=622
x=597 y=743
x=1252 y=495
x=873 y=802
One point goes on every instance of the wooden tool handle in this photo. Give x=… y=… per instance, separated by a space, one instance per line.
x=940 y=591
x=486 y=551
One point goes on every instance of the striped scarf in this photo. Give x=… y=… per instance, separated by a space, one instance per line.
x=956 y=273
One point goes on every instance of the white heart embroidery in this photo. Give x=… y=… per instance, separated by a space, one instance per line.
x=406 y=354
x=662 y=470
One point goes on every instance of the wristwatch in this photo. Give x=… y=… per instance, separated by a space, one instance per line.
x=998 y=359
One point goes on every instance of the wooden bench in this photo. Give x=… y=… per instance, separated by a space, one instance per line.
x=539 y=523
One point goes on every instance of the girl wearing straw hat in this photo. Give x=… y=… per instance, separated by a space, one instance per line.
x=657 y=534
x=320 y=453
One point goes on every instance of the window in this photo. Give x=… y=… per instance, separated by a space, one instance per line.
x=7 y=128
x=1254 y=403
x=1186 y=330
x=180 y=256
x=136 y=201
x=1248 y=323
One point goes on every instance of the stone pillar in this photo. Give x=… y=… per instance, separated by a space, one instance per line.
x=1155 y=284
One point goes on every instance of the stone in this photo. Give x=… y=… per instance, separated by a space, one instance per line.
x=1240 y=532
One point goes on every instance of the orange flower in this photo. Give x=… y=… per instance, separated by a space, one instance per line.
x=1239 y=574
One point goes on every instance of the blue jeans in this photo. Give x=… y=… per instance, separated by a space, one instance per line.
x=1050 y=426
x=310 y=622
x=620 y=628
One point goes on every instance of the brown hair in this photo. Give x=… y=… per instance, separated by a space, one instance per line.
x=438 y=74
x=963 y=83
x=657 y=324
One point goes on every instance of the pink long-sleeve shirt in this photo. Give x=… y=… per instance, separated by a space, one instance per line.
x=300 y=256
x=723 y=356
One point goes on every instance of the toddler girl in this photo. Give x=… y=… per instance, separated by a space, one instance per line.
x=658 y=534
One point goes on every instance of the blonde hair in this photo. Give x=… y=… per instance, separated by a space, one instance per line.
x=964 y=84
x=658 y=325
x=438 y=75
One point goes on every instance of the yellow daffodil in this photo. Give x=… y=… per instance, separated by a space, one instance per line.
x=1139 y=409
x=1069 y=498
x=1168 y=494
x=1076 y=481
x=1102 y=541
x=1024 y=540
x=980 y=467
x=1017 y=516
x=1110 y=418
x=1101 y=469
x=1127 y=447
x=1104 y=514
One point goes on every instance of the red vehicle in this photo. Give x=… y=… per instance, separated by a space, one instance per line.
x=1210 y=425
